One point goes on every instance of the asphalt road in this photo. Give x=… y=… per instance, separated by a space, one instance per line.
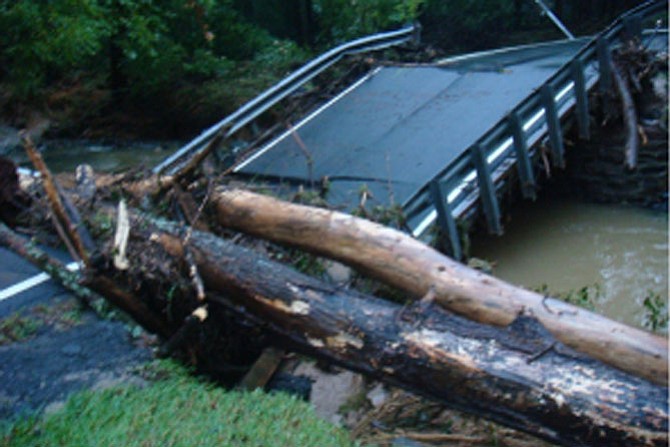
x=24 y=285
x=66 y=353
x=400 y=126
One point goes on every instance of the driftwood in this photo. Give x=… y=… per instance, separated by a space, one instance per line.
x=518 y=375
x=399 y=260
x=87 y=289
x=63 y=217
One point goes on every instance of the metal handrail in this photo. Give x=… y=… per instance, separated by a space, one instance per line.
x=260 y=104
x=498 y=148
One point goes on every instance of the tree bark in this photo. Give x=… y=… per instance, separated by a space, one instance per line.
x=629 y=117
x=398 y=259
x=518 y=375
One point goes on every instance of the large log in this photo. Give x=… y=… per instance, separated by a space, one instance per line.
x=400 y=260
x=518 y=375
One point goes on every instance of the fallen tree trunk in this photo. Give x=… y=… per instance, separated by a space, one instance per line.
x=518 y=375
x=398 y=259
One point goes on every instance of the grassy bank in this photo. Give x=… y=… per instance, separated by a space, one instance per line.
x=175 y=409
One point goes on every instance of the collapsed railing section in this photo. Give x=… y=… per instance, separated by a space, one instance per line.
x=478 y=172
x=263 y=102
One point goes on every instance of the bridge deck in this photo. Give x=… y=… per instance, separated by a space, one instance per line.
x=400 y=126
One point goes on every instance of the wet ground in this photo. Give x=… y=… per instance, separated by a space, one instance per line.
x=50 y=346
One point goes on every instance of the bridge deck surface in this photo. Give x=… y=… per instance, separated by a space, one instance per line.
x=400 y=126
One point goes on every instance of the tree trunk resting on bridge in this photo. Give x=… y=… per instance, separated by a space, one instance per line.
x=402 y=261
x=518 y=375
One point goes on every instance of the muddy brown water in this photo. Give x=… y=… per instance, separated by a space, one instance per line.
x=619 y=251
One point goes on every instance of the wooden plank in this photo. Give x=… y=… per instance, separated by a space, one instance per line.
x=553 y=124
x=487 y=192
x=263 y=369
x=581 y=97
x=445 y=219
x=524 y=167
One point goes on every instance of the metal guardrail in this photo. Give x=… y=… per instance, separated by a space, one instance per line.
x=477 y=173
x=251 y=110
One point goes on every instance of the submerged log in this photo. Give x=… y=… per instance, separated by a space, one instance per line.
x=400 y=260
x=517 y=375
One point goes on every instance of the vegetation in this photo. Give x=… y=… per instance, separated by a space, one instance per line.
x=175 y=410
x=656 y=312
x=203 y=58
x=21 y=326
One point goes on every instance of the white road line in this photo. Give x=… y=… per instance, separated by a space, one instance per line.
x=307 y=119
x=31 y=282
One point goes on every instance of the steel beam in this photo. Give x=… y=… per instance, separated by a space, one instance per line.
x=523 y=164
x=553 y=125
x=487 y=192
x=581 y=98
x=445 y=219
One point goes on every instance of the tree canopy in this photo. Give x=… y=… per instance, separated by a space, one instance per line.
x=139 y=49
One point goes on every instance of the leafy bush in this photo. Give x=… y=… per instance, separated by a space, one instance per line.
x=42 y=40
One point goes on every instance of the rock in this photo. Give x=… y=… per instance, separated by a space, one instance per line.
x=338 y=273
x=378 y=395
x=330 y=391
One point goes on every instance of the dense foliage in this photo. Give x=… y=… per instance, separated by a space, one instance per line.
x=134 y=50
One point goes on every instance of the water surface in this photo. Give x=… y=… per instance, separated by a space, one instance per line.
x=566 y=245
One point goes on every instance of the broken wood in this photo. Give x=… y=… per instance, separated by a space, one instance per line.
x=263 y=369
x=399 y=260
x=54 y=268
x=12 y=199
x=629 y=117
x=57 y=206
x=518 y=375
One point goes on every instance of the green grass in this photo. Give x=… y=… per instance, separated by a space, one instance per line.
x=175 y=410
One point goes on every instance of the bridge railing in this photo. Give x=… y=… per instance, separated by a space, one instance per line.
x=518 y=138
x=270 y=97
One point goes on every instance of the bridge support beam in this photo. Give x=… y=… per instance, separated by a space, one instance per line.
x=487 y=191
x=581 y=98
x=445 y=219
x=524 y=167
x=553 y=124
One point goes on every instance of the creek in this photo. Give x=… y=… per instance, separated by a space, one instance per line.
x=66 y=155
x=619 y=252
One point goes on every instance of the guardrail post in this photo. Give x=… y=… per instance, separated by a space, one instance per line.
x=553 y=124
x=487 y=191
x=445 y=219
x=524 y=167
x=605 y=69
x=581 y=98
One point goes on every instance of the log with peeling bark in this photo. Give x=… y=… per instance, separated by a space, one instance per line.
x=400 y=260
x=518 y=375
